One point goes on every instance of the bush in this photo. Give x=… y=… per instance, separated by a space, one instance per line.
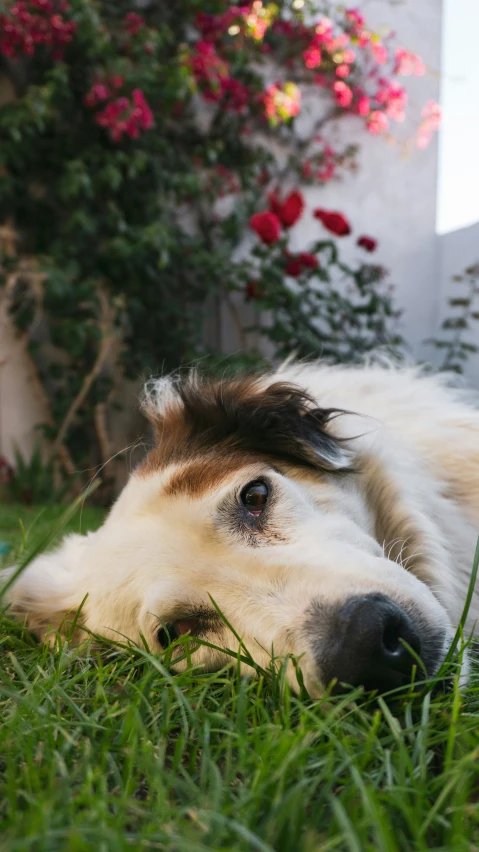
x=134 y=154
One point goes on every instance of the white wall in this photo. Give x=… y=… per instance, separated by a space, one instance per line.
x=458 y=195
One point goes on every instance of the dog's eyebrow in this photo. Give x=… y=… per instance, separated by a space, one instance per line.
x=200 y=475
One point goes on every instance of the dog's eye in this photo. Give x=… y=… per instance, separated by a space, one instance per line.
x=254 y=497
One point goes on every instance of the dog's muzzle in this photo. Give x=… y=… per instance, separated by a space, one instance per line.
x=373 y=642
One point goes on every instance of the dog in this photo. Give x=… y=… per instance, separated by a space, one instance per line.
x=326 y=514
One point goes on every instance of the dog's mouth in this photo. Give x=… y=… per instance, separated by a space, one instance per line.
x=369 y=641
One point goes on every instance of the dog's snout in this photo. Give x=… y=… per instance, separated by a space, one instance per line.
x=372 y=642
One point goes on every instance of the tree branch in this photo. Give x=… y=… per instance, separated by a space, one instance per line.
x=108 y=338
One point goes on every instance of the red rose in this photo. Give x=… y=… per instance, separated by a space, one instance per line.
x=288 y=211
x=309 y=261
x=334 y=222
x=267 y=226
x=367 y=243
x=343 y=94
x=297 y=263
x=294 y=267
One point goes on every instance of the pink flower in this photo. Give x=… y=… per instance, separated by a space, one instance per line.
x=235 y=94
x=307 y=169
x=363 y=37
x=122 y=116
x=312 y=56
x=380 y=53
x=432 y=112
x=393 y=99
x=354 y=17
x=98 y=92
x=343 y=94
x=326 y=172
x=342 y=70
x=209 y=70
x=377 y=122
x=133 y=23
x=338 y=43
x=142 y=112
x=431 y=120
x=418 y=66
x=363 y=105
x=423 y=139
x=29 y=24
x=408 y=63
x=324 y=29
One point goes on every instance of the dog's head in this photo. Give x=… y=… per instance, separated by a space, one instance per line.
x=251 y=503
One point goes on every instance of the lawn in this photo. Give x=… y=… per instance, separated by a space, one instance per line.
x=105 y=750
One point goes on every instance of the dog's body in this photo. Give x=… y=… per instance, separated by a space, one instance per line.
x=330 y=535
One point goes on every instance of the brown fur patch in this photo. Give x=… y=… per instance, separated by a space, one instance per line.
x=205 y=473
x=212 y=428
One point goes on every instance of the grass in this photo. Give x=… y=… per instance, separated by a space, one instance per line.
x=106 y=750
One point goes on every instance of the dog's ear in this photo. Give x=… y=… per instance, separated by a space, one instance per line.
x=48 y=593
x=272 y=419
x=160 y=397
x=294 y=427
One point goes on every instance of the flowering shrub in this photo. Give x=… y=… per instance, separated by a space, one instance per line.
x=125 y=133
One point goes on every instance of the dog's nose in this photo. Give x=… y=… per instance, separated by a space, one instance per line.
x=365 y=645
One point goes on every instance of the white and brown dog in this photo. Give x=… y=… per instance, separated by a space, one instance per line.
x=331 y=513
